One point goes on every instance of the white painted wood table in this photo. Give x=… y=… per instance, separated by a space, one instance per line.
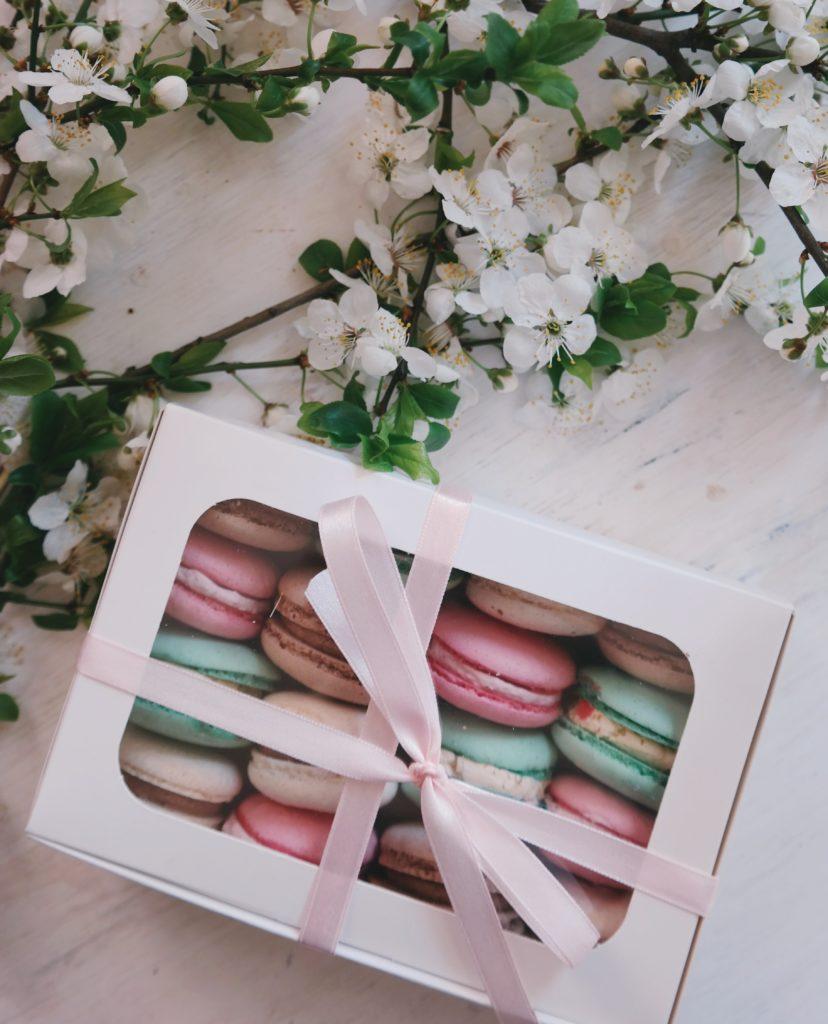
x=728 y=473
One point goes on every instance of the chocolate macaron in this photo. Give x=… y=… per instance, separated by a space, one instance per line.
x=295 y=640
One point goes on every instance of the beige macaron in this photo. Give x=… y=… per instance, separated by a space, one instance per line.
x=519 y=608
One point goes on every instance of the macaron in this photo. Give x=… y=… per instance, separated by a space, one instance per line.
x=404 y=562
x=292 y=830
x=407 y=864
x=622 y=732
x=295 y=640
x=605 y=907
x=222 y=588
x=190 y=781
x=646 y=656
x=232 y=664
x=259 y=526
x=520 y=608
x=578 y=797
x=298 y=784
x=513 y=762
x=497 y=671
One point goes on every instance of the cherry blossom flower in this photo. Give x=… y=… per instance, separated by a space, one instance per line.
x=72 y=78
x=771 y=97
x=532 y=180
x=609 y=180
x=681 y=103
x=469 y=202
x=804 y=180
x=202 y=18
x=74 y=512
x=48 y=269
x=731 y=299
x=395 y=256
x=389 y=154
x=424 y=366
x=14 y=246
x=66 y=148
x=597 y=248
x=548 y=320
x=356 y=329
x=457 y=285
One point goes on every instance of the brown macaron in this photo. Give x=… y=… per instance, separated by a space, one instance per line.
x=295 y=640
x=259 y=526
x=528 y=611
x=646 y=656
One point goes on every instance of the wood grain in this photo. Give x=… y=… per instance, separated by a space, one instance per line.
x=727 y=472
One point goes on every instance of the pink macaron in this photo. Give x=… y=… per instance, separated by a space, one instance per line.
x=222 y=588
x=498 y=671
x=292 y=830
x=580 y=798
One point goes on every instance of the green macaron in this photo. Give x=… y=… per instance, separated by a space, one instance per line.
x=236 y=664
x=514 y=762
x=622 y=732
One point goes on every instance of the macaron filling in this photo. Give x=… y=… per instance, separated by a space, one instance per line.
x=602 y=722
x=201 y=584
x=524 y=785
x=463 y=673
x=166 y=798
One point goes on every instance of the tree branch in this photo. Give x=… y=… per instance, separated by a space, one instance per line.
x=325 y=71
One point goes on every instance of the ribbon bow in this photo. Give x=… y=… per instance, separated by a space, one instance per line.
x=383 y=631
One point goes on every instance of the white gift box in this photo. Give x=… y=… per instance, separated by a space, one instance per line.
x=732 y=637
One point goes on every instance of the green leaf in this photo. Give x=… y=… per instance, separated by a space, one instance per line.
x=603 y=352
x=818 y=296
x=61 y=351
x=420 y=96
x=11 y=121
x=580 y=368
x=562 y=43
x=630 y=325
x=502 y=42
x=412 y=458
x=162 y=70
x=161 y=363
x=374 y=451
x=58 y=311
x=406 y=412
x=9 y=710
x=343 y=422
x=57 y=620
x=555 y=88
x=272 y=97
x=357 y=252
x=416 y=42
x=318 y=259
x=6 y=311
x=652 y=287
x=106 y=201
x=197 y=357
x=438 y=437
x=478 y=95
x=243 y=120
x=186 y=385
x=557 y=12
x=758 y=246
x=447 y=158
x=25 y=375
x=354 y=393
x=610 y=137
x=438 y=401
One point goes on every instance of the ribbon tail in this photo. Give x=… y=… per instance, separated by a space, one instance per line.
x=529 y=886
x=472 y=903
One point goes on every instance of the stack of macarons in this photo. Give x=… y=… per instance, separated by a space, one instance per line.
x=539 y=702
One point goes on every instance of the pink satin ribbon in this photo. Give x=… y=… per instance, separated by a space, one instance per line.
x=383 y=630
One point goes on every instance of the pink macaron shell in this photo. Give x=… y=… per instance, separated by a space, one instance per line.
x=578 y=797
x=211 y=616
x=230 y=565
x=294 y=831
x=492 y=706
x=518 y=655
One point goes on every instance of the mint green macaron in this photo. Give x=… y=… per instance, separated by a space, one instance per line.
x=514 y=762
x=223 y=660
x=623 y=732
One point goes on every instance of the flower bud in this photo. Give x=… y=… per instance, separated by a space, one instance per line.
x=736 y=239
x=112 y=31
x=635 y=67
x=722 y=51
x=384 y=26
x=309 y=96
x=170 y=92
x=625 y=97
x=609 y=69
x=86 y=36
x=802 y=50
x=738 y=43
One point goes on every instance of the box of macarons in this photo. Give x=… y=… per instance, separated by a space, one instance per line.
x=478 y=749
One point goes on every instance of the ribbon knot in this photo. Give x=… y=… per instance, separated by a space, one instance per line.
x=419 y=771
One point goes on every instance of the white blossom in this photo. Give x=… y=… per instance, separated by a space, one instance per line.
x=72 y=78
x=62 y=270
x=771 y=97
x=548 y=320
x=682 y=102
x=596 y=248
x=73 y=512
x=609 y=180
x=202 y=18
x=170 y=92
x=804 y=180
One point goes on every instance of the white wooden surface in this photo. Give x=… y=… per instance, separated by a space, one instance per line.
x=727 y=472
